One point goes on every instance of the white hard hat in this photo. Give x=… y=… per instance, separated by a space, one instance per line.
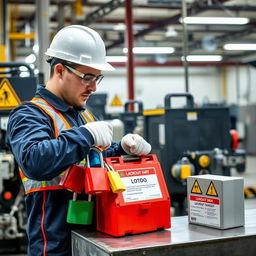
x=80 y=45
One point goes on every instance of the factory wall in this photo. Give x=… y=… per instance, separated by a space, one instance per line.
x=207 y=84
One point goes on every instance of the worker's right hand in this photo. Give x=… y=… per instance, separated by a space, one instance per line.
x=102 y=133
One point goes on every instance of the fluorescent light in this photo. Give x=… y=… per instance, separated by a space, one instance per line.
x=203 y=58
x=116 y=58
x=171 y=32
x=237 y=47
x=31 y=58
x=216 y=20
x=151 y=50
x=120 y=27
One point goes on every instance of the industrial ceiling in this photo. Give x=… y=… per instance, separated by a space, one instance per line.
x=155 y=23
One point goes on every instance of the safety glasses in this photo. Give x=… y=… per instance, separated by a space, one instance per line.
x=87 y=78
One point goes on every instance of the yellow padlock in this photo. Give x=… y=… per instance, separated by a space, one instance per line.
x=116 y=183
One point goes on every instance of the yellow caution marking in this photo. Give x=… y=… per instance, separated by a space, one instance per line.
x=185 y=171
x=196 y=188
x=153 y=112
x=250 y=192
x=211 y=191
x=8 y=97
x=116 y=102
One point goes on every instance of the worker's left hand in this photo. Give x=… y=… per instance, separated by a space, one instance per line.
x=134 y=144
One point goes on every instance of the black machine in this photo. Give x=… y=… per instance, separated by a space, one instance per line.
x=13 y=90
x=190 y=141
x=132 y=119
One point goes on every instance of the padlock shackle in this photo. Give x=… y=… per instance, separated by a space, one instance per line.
x=108 y=167
x=99 y=151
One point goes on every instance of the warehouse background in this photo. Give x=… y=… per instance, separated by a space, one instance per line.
x=228 y=81
x=228 y=85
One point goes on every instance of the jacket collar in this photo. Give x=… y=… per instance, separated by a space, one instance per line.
x=53 y=100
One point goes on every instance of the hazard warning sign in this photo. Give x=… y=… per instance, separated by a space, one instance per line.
x=196 y=188
x=211 y=191
x=8 y=97
x=116 y=102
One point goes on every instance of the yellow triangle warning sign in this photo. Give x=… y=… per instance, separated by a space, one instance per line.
x=116 y=102
x=211 y=191
x=8 y=97
x=196 y=188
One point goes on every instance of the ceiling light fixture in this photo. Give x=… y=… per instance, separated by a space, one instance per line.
x=240 y=47
x=31 y=58
x=116 y=58
x=205 y=58
x=216 y=20
x=151 y=50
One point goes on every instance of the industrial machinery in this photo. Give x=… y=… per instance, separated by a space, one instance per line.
x=190 y=141
x=133 y=120
x=13 y=90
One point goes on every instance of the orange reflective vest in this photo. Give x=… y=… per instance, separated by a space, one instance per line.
x=59 y=124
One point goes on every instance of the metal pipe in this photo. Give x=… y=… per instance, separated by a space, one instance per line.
x=129 y=43
x=17 y=65
x=42 y=34
x=179 y=64
x=237 y=84
x=249 y=84
x=61 y=15
x=185 y=44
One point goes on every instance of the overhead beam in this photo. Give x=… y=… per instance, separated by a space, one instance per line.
x=194 y=8
x=103 y=11
x=224 y=38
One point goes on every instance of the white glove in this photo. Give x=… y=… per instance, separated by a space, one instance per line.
x=134 y=144
x=102 y=133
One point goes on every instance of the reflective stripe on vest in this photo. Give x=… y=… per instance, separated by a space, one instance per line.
x=60 y=124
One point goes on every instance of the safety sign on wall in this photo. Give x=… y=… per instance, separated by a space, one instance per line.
x=116 y=102
x=141 y=184
x=216 y=201
x=8 y=97
x=203 y=209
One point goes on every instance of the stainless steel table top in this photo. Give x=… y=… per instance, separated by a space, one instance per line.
x=181 y=234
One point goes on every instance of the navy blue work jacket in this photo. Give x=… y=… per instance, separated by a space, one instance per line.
x=30 y=136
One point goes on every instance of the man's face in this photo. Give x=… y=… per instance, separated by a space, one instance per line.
x=74 y=91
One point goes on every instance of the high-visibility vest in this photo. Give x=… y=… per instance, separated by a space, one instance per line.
x=59 y=123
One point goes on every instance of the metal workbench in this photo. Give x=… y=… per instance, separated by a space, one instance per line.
x=181 y=239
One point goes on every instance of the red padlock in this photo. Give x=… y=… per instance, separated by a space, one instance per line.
x=73 y=178
x=96 y=179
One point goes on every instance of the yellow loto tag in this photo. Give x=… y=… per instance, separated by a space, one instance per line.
x=116 y=183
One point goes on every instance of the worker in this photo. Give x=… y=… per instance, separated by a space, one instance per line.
x=55 y=130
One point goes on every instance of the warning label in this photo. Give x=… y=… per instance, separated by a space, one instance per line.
x=211 y=191
x=205 y=210
x=196 y=188
x=8 y=97
x=116 y=102
x=141 y=184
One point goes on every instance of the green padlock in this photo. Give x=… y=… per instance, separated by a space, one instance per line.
x=80 y=212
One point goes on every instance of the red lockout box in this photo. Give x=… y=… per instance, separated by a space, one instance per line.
x=144 y=206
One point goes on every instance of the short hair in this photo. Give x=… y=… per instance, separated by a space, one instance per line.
x=53 y=61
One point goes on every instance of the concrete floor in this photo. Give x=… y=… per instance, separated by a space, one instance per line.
x=249 y=180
